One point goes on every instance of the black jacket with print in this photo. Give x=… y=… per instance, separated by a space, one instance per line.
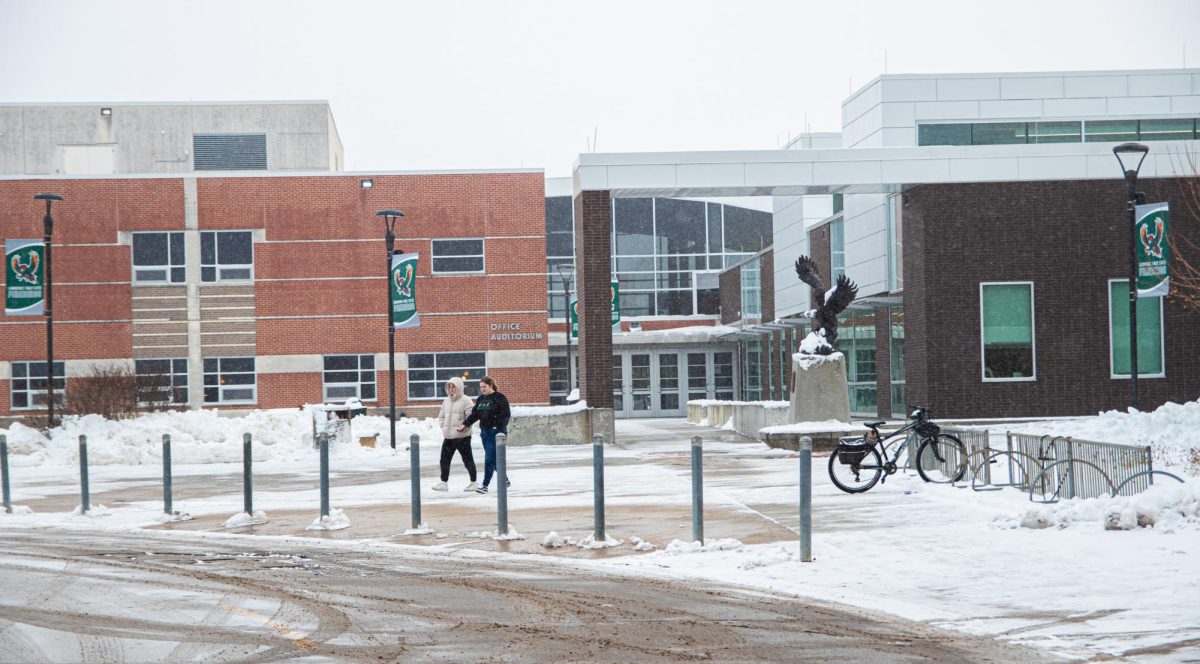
x=491 y=411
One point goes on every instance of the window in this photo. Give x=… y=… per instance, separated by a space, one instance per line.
x=29 y=384
x=998 y=133
x=752 y=381
x=230 y=152
x=1149 y=332
x=837 y=249
x=944 y=134
x=1166 y=130
x=458 y=255
x=856 y=335
x=1112 y=130
x=1055 y=132
x=1006 y=314
x=158 y=258
x=895 y=227
x=226 y=256
x=229 y=380
x=723 y=375
x=751 y=290
x=161 y=383
x=349 y=376
x=428 y=373
x=560 y=226
x=897 y=360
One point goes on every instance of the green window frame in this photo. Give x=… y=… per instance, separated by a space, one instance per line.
x=1151 y=351
x=1008 y=348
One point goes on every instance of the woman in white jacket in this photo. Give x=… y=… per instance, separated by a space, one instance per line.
x=455 y=408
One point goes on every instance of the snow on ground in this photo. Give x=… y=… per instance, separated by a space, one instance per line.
x=1081 y=578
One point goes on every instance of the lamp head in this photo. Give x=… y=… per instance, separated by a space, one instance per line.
x=389 y=219
x=1131 y=156
x=47 y=197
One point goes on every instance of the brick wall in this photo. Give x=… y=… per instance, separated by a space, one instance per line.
x=319 y=266
x=730 y=294
x=593 y=271
x=1069 y=238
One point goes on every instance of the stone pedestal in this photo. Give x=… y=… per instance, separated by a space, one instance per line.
x=821 y=392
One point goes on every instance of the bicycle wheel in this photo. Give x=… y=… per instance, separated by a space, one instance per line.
x=942 y=460
x=858 y=477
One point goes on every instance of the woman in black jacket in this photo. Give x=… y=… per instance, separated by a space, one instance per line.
x=492 y=412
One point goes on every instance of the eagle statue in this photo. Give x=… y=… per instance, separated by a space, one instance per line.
x=824 y=317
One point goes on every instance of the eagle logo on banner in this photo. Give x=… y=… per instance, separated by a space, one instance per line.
x=404 y=283
x=27 y=272
x=1152 y=243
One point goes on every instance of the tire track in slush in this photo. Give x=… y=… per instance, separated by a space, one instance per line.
x=442 y=606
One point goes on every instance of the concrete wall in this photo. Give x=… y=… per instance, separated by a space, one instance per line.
x=157 y=138
x=574 y=428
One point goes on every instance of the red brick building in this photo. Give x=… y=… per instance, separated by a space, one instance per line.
x=268 y=290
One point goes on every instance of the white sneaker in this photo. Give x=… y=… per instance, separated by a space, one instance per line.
x=469 y=487
x=440 y=486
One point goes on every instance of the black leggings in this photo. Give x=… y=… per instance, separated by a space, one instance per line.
x=463 y=447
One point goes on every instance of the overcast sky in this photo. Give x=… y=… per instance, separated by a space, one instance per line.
x=420 y=85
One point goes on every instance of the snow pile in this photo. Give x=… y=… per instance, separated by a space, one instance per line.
x=553 y=540
x=1165 y=507
x=199 y=436
x=245 y=519
x=512 y=534
x=590 y=542
x=19 y=509
x=335 y=521
x=1170 y=430
x=766 y=558
x=640 y=544
x=93 y=511
x=420 y=530
x=544 y=411
x=677 y=547
x=173 y=517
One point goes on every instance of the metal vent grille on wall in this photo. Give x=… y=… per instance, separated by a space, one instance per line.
x=230 y=152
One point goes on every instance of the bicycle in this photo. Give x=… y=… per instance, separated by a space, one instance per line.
x=856 y=465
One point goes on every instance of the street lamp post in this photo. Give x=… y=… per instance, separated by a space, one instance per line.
x=48 y=229
x=1126 y=153
x=389 y=225
x=565 y=275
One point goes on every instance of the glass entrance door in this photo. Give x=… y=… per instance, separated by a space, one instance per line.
x=641 y=385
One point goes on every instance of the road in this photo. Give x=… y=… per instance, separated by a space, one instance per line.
x=97 y=596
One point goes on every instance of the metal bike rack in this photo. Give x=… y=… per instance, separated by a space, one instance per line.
x=1146 y=473
x=1068 y=462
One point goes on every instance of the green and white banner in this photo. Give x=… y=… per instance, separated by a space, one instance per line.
x=404 y=291
x=24 y=278
x=1153 y=251
x=614 y=301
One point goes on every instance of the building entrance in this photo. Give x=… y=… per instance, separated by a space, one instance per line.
x=660 y=382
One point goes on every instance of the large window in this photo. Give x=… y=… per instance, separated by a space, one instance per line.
x=29 y=384
x=226 y=256
x=428 y=373
x=162 y=382
x=1007 y=318
x=856 y=336
x=458 y=255
x=349 y=376
x=1061 y=131
x=158 y=258
x=752 y=381
x=1151 y=361
x=229 y=380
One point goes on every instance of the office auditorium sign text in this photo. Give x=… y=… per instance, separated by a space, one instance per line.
x=512 y=332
